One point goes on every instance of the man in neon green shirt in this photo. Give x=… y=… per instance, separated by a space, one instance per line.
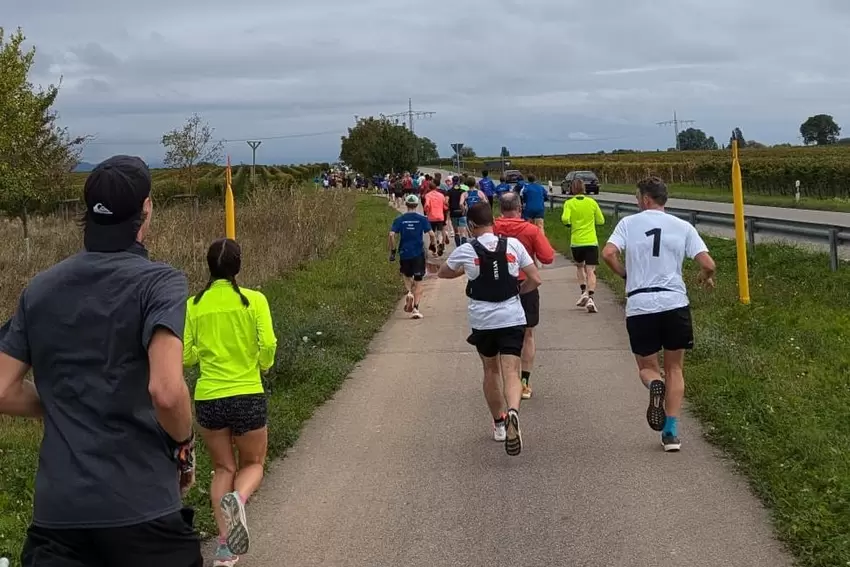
x=582 y=215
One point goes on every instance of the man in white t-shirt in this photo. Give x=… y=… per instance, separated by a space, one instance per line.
x=658 y=314
x=496 y=316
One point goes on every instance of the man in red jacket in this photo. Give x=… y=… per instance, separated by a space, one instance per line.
x=535 y=242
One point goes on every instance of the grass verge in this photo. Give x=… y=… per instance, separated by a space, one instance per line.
x=325 y=312
x=720 y=195
x=770 y=383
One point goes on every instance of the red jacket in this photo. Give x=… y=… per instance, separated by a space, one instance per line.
x=529 y=235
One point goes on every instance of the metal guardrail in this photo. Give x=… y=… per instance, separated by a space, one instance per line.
x=834 y=236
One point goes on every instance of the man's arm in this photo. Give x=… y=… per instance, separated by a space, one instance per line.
x=18 y=397
x=391 y=242
x=532 y=279
x=600 y=218
x=707 y=268
x=543 y=249
x=566 y=214
x=453 y=266
x=167 y=388
x=611 y=256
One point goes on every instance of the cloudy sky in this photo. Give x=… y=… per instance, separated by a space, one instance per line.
x=539 y=76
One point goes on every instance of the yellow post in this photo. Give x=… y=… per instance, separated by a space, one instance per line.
x=740 y=233
x=229 y=205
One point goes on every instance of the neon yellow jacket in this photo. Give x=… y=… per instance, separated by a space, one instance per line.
x=582 y=214
x=231 y=342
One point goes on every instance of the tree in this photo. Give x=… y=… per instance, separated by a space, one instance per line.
x=190 y=145
x=376 y=146
x=695 y=139
x=820 y=129
x=36 y=155
x=754 y=145
x=428 y=152
x=505 y=153
x=467 y=152
x=738 y=135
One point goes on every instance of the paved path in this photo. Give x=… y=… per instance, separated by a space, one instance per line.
x=399 y=469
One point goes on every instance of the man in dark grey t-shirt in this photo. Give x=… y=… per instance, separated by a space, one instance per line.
x=102 y=332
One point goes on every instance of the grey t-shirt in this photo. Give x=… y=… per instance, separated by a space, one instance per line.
x=84 y=325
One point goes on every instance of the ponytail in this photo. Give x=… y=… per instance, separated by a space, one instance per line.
x=203 y=291
x=235 y=287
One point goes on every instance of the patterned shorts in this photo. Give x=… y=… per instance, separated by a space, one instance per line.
x=240 y=414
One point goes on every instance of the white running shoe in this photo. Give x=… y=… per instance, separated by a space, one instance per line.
x=591 y=306
x=500 y=432
x=408 y=303
x=417 y=314
x=238 y=539
x=582 y=301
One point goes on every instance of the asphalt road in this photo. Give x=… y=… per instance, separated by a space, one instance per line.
x=400 y=469
x=777 y=213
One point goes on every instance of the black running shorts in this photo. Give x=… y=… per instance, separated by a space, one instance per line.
x=493 y=342
x=531 y=304
x=438 y=226
x=240 y=414
x=667 y=330
x=588 y=255
x=413 y=268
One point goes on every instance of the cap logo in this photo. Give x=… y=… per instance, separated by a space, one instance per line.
x=101 y=210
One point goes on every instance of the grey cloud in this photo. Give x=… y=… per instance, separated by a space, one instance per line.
x=521 y=73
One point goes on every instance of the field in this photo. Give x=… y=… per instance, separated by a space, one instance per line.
x=209 y=179
x=771 y=385
x=294 y=252
x=823 y=172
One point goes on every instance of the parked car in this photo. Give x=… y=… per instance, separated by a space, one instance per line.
x=513 y=176
x=591 y=182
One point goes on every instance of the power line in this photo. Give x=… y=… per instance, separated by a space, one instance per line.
x=411 y=115
x=675 y=123
x=222 y=140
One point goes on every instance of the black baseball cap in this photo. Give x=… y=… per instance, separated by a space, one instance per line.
x=115 y=193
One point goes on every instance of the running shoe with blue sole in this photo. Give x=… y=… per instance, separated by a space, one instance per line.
x=238 y=539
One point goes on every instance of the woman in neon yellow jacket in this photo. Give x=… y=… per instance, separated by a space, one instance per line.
x=229 y=333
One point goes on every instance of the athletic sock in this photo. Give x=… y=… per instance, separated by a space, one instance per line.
x=583 y=288
x=526 y=376
x=670 y=426
x=513 y=410
x=463 y=240
x=590 y=293
x=416 y=306
x=500 y=420
x=457 y=240
x=222 y=540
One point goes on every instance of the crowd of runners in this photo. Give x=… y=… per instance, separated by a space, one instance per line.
x=500 y=256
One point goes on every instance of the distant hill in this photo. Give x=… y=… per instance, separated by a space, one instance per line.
x=84 y=166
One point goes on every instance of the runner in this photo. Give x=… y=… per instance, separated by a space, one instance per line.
x=502 y=187
x=538 y=247
x=457 y=214
x=472 y=196
x=398 y=192
x=435 y=209
x=407 y=184
x=102 y=333
x=410 y=228
x=487 y=187
x=534 y=198
x=229 y=333
x=582 y=215
x=492 y=265
x=658 y=314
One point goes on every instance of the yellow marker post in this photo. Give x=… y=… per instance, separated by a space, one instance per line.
x=229 y=205
x=740 y=234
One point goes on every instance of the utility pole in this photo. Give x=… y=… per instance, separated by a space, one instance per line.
x=411 y=116
x=254 y=145
x=675 y=123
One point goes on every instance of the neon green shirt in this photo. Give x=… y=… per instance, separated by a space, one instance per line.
x=583 y=215
x=231 y=342
x=464 y=187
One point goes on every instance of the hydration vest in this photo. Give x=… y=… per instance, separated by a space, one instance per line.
x=494 y=283
x=472 y=198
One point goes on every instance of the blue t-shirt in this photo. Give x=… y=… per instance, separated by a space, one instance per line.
x=502 y=188
x=411 y=227
x=486 y=184
x=533 y=197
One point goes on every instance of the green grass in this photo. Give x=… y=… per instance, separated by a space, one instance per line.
x=771 y=384
x=325 y=314
x=719 y=195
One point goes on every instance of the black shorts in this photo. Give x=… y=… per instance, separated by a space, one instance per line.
x=493 y=342
x=667 y=330
x=398 y=194
x=170 y=541
x=438 y=226
x=588 y=255
x=531 y=305
x=413 y=268
x=240 y=414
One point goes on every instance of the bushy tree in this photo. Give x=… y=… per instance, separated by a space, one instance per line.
x=820 y=129
x=36 y=155
x=376 y=146
x=428 y=152
x=189 y=146
x=695 y=139
x=738 y=135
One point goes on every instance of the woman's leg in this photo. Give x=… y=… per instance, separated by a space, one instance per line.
x=220 y=447
x=252 y=448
